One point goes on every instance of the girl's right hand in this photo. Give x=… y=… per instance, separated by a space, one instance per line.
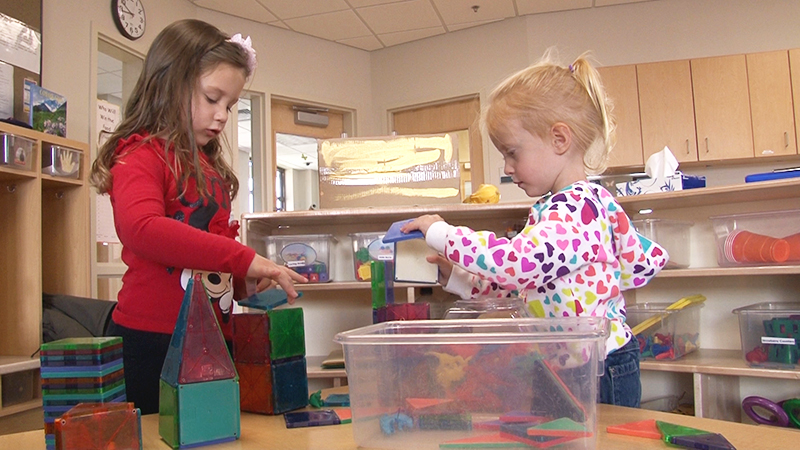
x=261 y=268
x=445 y=267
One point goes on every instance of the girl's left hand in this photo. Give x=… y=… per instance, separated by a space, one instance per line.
x=421 y=223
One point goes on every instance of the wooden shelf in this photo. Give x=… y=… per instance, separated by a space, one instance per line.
x=314 y=370
x=12 y=364
x=709 y=196
x=717 y=362
x=728 y=271
x=350 y=285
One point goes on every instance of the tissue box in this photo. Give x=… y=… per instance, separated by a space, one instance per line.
x=676 y=182
x=431 y=384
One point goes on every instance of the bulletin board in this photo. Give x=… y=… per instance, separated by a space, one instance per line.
x=29 y=13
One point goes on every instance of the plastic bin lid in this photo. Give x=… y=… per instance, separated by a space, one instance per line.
x=470 y=331
x=665 y=221
x=755 y=214
x=769 y=307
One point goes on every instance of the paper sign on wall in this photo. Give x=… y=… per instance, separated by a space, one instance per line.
x=22 y=45
x=108 y=117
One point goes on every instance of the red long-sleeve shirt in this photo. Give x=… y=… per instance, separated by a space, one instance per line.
x=167 y=233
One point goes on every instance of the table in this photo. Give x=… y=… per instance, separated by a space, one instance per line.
x=260 y=432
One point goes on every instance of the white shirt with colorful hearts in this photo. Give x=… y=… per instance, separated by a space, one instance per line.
x=575 y=256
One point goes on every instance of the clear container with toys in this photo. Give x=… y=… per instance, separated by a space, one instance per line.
x=764 y=238
x=432 y=384
x=664 y=330
x=16 y=151
x=308 y=255
x=770 y=333
x=488 y=308
x=369 y=247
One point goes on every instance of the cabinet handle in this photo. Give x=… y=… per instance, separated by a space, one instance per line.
x=687 y=146
x=786 y=139
x=706 y=145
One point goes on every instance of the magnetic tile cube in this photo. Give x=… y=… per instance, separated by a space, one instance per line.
x=99 y=426
x=199 y=413
x=255 y=388
x=251 y=338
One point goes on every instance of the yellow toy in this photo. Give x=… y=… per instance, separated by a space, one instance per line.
x=450 y=368
x=486 y=193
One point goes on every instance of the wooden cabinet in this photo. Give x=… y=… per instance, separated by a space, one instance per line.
x=620 y=84
x=722 y=108
x=667 y=109
x=771 y=104
x=44 y=237
x=794 y=70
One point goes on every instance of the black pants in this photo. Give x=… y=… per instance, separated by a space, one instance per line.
x=143 y=355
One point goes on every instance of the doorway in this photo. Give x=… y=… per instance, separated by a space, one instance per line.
x=296 y=127
x=460 y=116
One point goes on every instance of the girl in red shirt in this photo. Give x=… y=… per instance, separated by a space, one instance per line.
x=171 y=192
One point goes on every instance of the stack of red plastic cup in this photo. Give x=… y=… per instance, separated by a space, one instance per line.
x=742 y=246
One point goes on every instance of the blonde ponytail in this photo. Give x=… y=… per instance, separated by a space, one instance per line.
x=596 y=156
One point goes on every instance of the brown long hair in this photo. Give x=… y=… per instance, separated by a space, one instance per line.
x=161 y=102
x=546 y=93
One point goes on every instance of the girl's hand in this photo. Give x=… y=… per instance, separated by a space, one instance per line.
x=445 y=267
x=421 y=223
x=267 y=272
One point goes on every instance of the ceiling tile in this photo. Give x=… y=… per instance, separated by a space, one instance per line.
x=615 y=2
x=367 y=43
x=462 y=11
x=403 y=16
x=279 y=24
x=300 y=8
x=363 y=3
x=247 y=9
x=543 y=6
x=332 y=26
x=461 y=26
x=402 y=37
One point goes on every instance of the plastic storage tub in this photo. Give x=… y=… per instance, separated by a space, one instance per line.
x=770 y=333
x=673 y=333
x=61 y=161
x=308 y=255
x=17 y=151
x=765 y=238
x=419 y=384
x=673 y=235
x=369 y=247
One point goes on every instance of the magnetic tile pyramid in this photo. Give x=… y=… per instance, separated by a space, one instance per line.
x=199 y=388
x=269 y=353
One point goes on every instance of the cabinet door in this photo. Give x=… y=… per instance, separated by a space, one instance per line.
x=667 y=109
x=794 y=64
x=722 y=108
x=620 y=84
x=771 y=104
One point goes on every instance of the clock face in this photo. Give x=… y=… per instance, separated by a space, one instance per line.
x=129 y=17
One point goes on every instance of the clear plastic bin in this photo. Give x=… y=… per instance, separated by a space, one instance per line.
x=770 y=334
x=17 y=151
x=488 y=308
x=61 y=161
x=756 y=239
x=369 y=247
x=673 y=235
x=419 y=384
x=308 y=255
x=673 y=333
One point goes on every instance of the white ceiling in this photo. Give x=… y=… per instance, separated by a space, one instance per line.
x=375 y=24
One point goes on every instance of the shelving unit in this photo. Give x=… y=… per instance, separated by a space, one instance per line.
x=46 y=247
x=715 y=372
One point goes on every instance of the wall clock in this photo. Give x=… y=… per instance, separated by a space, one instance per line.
x=129 y=17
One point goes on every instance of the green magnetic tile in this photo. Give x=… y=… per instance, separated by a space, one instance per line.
x=561 y=424
x=208 y=411
x=286 y=333
x=168 y=414
x=669 y=430
x=97 y=390
x=95 y=343
x=378 y=284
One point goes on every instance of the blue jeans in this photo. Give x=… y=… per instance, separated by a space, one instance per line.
x=620 y=384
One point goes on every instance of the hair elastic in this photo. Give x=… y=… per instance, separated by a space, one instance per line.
x=247 y=45
x=571 y=69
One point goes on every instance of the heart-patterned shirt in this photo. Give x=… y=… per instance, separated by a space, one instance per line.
x=574 y=257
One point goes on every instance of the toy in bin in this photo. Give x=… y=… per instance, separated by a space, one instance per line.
x=664 y=330
x=770 y=333
x=369 y=247
x=763 y=238
x=308 y=255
